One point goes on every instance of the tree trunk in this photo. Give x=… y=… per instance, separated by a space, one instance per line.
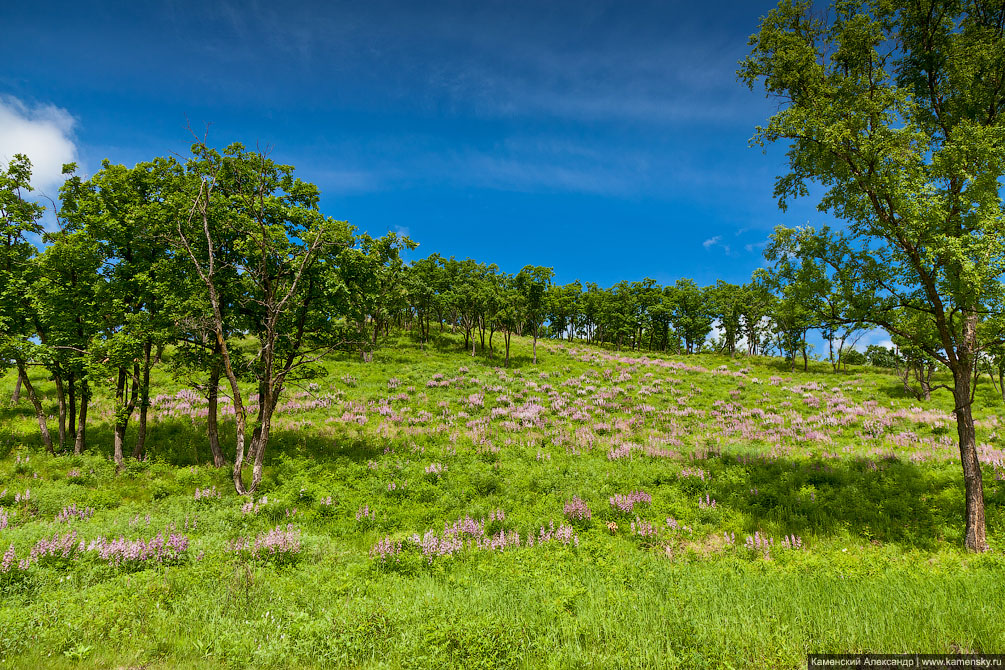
x=43 y=425
x=123 y=410
x=85 y=396
x=141 y=438
x=118 y=439
x=259 y=448
x=975 y=533
x=71 y=392
x=212 y=428
x=535 y=344
x=16 y=397
x=61 y=398
x=925 y=380
x=506 y=337
x=260 y=437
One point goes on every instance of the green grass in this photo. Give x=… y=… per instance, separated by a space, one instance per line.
x=876 y=498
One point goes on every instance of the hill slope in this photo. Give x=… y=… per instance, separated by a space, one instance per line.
x=428 y=509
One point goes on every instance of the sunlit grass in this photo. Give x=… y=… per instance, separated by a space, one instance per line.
x=876 y=503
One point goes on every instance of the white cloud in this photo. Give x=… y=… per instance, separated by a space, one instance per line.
x=711 y=242
x=44 y=134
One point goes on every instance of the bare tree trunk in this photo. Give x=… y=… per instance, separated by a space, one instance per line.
x=71 y=382
x=123 y=410
x=43 y=425
x=260 y=436
x=144 y=402
x=975 y=533
x=535 y=344
x=85 y=396
x=61 y=398
x=263 y=432
x=212 y=428
x=925 y=380
x=506 y=337
x=16 y=397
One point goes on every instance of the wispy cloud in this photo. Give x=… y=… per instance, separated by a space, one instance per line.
x=42 y=132
x=712 y=241
x=344 y=181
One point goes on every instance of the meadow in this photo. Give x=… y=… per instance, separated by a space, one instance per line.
x=600 y=509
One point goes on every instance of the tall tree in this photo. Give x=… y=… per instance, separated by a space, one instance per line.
x=726 y=301
x=532 y=282
x=127 y=212
x=691 y=313
x=19 y=221
x=372 y=274
x=68 y=319
x=250 y=218
x=896 y=108
x=812 y=265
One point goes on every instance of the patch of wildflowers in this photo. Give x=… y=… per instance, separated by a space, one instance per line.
x=577 y=509
x=73 y=513
x=626 y=503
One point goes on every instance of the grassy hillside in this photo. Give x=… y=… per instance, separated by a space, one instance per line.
x=429 y=509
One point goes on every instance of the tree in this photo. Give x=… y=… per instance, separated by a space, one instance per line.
x=372 y=274
x=421 y=282
x=913 y=364
x=248 y=222
x=19 y=219
x=532 y=282
x=67 y=314
x=757 y=303
x=692 y=313
x=810 y=265
x=563 y=307
x=882 y=357
x=727 y=303
x=896 y=108
x=127 y=212
x=512 y=309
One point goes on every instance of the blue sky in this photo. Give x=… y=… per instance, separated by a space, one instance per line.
x=607 y=140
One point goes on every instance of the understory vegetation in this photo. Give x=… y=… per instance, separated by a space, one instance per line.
x=429 y=509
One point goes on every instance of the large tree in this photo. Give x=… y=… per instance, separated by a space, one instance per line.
x=252 y=234
x=68 y=318
x=533 y=282
x=895 y=108
x=127 y=212
x=19 y=224
x=691 y=314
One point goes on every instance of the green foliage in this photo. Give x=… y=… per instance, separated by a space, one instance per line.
x=898 y=110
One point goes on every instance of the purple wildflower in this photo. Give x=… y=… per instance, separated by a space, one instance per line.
x=577 y=509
